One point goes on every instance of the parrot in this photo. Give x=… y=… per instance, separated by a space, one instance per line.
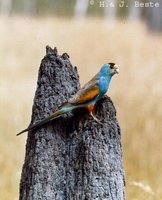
x=86 y=97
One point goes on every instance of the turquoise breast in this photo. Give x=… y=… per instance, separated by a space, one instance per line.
x=104 y=84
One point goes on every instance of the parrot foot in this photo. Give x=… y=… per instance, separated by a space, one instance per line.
x=95 y=118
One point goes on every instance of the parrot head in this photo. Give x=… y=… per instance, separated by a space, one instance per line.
x=109 y=69
x=113 y=68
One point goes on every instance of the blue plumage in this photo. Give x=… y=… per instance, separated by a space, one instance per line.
x=104 y=78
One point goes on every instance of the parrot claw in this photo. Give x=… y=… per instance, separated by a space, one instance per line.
x=95 y=118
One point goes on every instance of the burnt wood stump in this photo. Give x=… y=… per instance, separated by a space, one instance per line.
x=72 y=157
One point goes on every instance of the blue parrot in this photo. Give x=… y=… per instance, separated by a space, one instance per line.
x=86 y=97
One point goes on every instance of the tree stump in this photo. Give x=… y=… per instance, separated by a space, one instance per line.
x=72 y=157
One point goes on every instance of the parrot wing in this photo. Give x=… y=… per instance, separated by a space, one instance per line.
x=88 y=92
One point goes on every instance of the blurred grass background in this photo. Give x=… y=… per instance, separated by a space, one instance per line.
x=136 y=92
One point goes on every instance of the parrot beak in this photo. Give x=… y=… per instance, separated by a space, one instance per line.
x=116 y=69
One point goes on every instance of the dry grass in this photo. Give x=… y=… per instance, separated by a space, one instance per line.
x=136 y=92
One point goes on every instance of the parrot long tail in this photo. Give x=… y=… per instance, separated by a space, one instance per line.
x=56 y=114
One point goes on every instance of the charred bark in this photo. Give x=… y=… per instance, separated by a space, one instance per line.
x=72 y=157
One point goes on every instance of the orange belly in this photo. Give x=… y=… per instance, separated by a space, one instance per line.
x=90 y=107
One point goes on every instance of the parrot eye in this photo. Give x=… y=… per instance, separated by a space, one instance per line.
x=111 y=67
